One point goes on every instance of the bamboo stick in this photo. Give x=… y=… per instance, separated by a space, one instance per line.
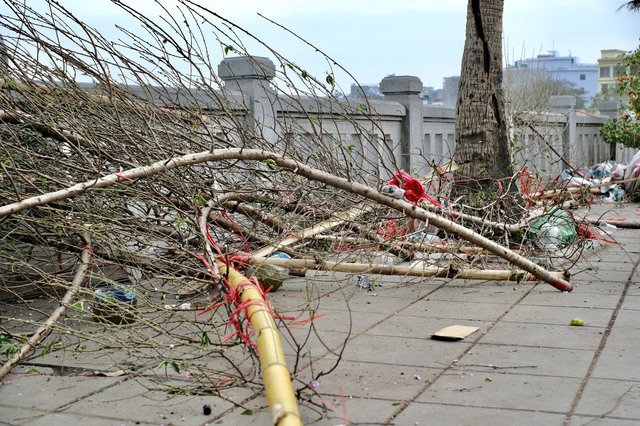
x=398 y=243
x=416 y=270
x=275 y=374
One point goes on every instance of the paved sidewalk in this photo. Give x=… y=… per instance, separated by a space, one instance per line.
x=524 y=366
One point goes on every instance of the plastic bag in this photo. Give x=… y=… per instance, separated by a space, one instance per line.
x=554 y=230
x=413 y=188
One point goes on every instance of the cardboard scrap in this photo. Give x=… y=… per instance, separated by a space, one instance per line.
x=454 y=332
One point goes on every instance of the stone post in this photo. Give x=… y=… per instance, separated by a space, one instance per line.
x=251 y=76
x=566 y=105
x=405 y=90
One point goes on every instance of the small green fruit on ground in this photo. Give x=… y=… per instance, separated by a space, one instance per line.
x=577 y=321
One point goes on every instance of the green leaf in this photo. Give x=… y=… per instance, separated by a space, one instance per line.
x=199 y=199
x=204 y=340
x=79 y=305
x=247 y=412
x=228 y=49
x=271 y=164
x=330 y=80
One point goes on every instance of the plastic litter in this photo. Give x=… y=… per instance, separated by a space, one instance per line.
x=413 y=189
x=383 y=258
x=114 y=303
x=554 y=230
x=633 y=171
x=607 y=227
x=392 y=191
x=425 y=238
x=606 y=172
x=363 y=281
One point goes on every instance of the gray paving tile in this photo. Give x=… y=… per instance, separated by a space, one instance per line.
x=142 y=400
x=19 y=416
x=356 y=410
x=380 y=302
x=545 y=335
x=499 y=390
x=527 y=360
x=631 y=302
x=610 y=398
x=341 y=321
x=449 y=309
x=582 y=296
x=595 y=317
x=482 y=292
x=619 y=358
x=525 y=369
x=85 y=419
x=419 y=327
x=404 y=351
x=606 y=421
x=634 y=289
x=597 y=286
x=47 y=392
x=463 y=415
x=314 y=342
x=368 y=379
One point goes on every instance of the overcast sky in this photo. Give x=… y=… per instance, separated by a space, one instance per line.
x=424 y=38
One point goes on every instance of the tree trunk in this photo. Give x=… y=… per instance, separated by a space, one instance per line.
x=482 y=151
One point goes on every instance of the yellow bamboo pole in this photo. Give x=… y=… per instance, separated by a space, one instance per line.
x=275 y=374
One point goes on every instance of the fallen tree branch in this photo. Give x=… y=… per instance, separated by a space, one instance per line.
x=306 y=171
x=416 y=270
x=42 y=332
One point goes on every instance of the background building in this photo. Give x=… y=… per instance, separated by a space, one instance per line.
x=567 y=69
x=608 y=69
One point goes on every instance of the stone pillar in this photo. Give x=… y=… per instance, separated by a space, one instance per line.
x=608 y=108
x=251 y=76
x=566 y=105
x=405 y=90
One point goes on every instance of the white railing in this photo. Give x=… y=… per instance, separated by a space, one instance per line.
x=418 y=135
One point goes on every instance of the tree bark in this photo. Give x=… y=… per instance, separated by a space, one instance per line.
x=482 y=151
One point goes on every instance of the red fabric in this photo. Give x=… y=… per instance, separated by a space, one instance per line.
x=413 y=188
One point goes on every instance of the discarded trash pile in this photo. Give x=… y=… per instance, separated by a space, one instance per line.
x=611 y=180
